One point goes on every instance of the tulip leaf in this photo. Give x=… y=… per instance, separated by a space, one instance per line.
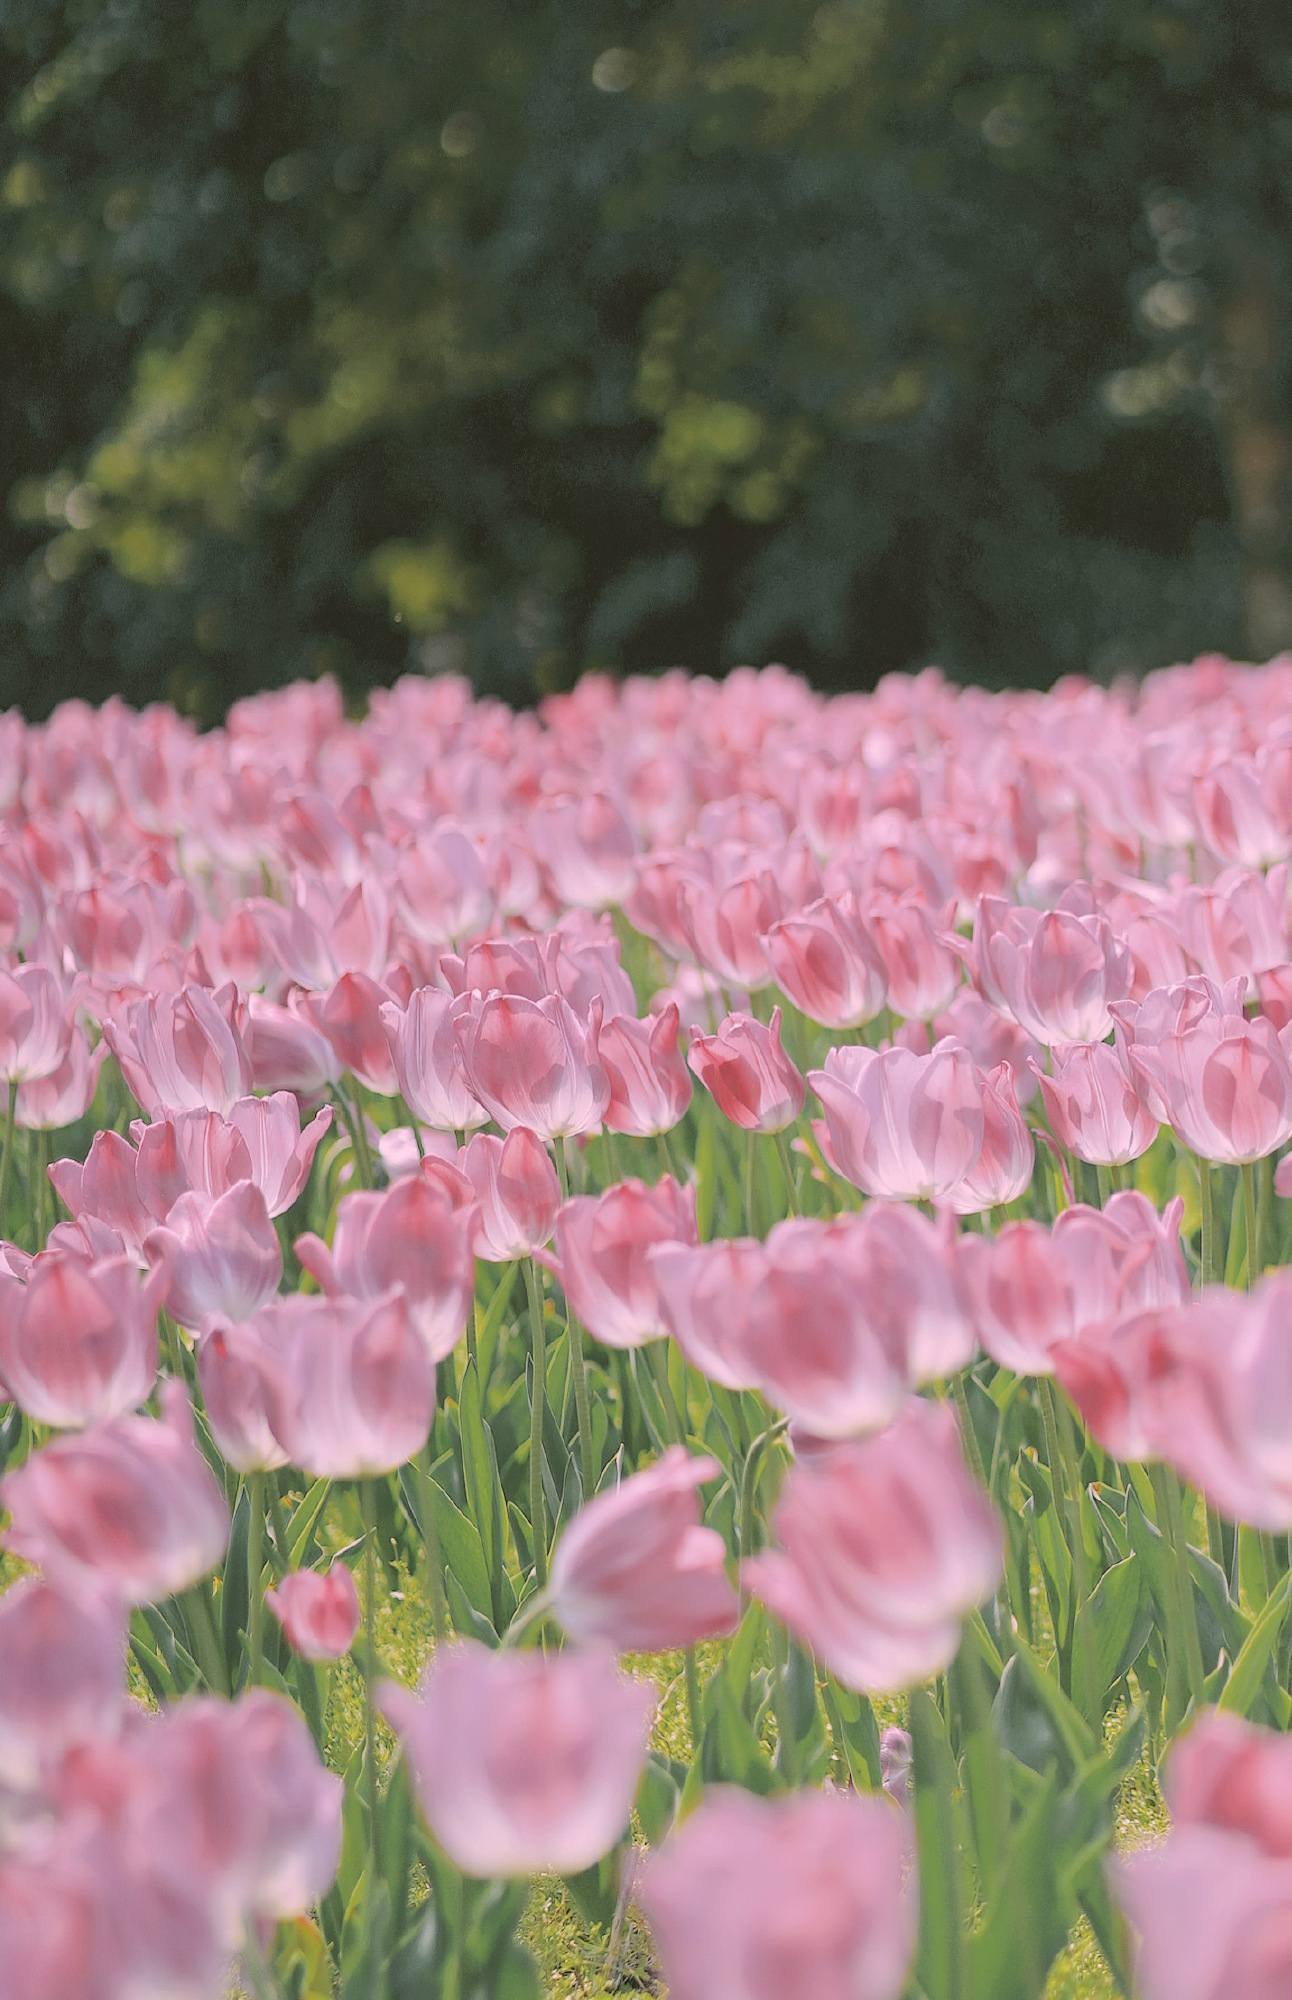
x=304 y=1521
x=1112 y=1628
x=1244 y=1683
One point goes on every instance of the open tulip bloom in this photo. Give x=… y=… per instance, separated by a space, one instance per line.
x=690 y=1292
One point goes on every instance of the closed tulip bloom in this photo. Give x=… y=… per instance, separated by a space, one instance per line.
x=637 y=1571
x=991 y=1038
x=237 y=1370
x=1237 y=926
x=1224 y=1084
x=427 y=1062
x=1021 y=1295
x=196 y=1152
x=517 y=1193
x=287 y=1051
x=183 y=1051
x=882 y=1547
x=35 y=1028
x=103 y=1186
x=587 y=848
x=1095 y=1103
x=281 y=1153
x=805 y=1897
x=535 y=1063
x=748 y=1074
x=48 y=1103
x=130 y=1507
x=603 y=1245
x=443 y=890
x=650 y=1088
x=1056 y=972
x=78 y=1341
x=706 y=1293
x=318 y=1611
x=350 y=1016
x=1003 y=1169
x=913 y=1288
x=921 y=971
x=827 y=963
x=353 y=1394
x=523 y=1763
x=1240 y=814
x=221 y=1258
x=413 y=1237
x=62 y=1675
x=902 y=1126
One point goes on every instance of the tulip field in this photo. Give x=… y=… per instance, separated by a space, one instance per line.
x=648 y=1346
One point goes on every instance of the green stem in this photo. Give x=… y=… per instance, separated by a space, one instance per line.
x=201 y=1627
x=537 y=1399
x=664 y=1143
x=1251 y=1228
x=582 y=1409
x=787 y=1168
x=1210 y=1259
x=473 y=1334
x=658 y=1351
x=368 y=1503
x=1067 y=1482
x=1166 y=1488
x=431 y=1538
x=1105 y=1180
x=749 y=1482
x=255 y=1564
x=751 y=1189
x=694 y=1710
x=7 y=1157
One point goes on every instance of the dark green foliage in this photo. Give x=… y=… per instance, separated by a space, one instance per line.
x=356 y=335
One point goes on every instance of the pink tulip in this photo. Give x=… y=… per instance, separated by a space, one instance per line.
x=1096 y=1105
x=442 y=889
x=104 y=1187
x=48 y=1103
x=351 y=1387
x=330 y=930
x=1242 y=816
x=35 y=1029
x=196 y=1152
x=129 y=1507
x=603 y=1246
x=523 y=1763
x=635 y=1569
x=1223 y=1082
x=902 y=1126
x=281 y=1154
x=1237 y=927
x=748 y=1074
x=828 y=964
x=412 y=1238
x=1003 y=1169
x=649 y=1085
x=587 y=848
x=805 y=1897
x=896 y=1756
x=722 y=926
x=221 y=1256
x=921 y=970
x=62 y=1675
x=183 y=1051
x=516 y=1191
x=318 y=1611
x=238 y=1370
x=913 y=1288
x=349 y=1016
x=1056 y=972
x=883 y=1546
x=78 y=1341
x=705 y=1294
x=534 y=1063
x=424 y=1049
x=287 y=1051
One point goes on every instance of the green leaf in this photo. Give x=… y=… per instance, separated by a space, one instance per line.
x=304 y=1521
x=1244 y=1683
x=1112 y=1627
x=235 y=1597
x=940 y=1967
x=1027 y=1919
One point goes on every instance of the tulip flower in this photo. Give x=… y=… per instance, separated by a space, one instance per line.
x=603 y=1245
x=1096 y=1105
x=62 y=1675
x=1003 y=1169
x=805 y=1897
x=649 y=1086
x=534 y=1063
x=828 y=964
x=1223 y=1082
x=239 y=1374
x=35 y=1027
x=748 y=1074
x=415 y=1237
x=1057 y=973
x=78 y=1341
x=428 y=1067
x=587 y=849
x=353 y=1390
x=183 y=1051
x=318 y=1611
x=902 y=1126
x=921 y=971
x=221 y=1257
x=517 y=1193
x=523 y=1763
x=705 y=1298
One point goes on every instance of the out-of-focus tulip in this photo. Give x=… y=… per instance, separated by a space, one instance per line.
x=1237 y=926
x=902 y=1126
x=587 y=848
x=921 y=971
x=747 y=1073
x=1056 y=972
x=287 y=1051
x=705 y=1295
x=808 y=1897
x=352 y=1391
x=104 y=1186
x=1095 y=1103
x=62 y=1675
x=318 y=1611
x=827 y=963
x=636 y=1570
x=516 y=1191
x=427 y=1063
x=237 y=1371
x=221 y=1257
x=350 y=1016
x=882 y=1547
x=35 y=1028
x=78 y=1341
x=130 y=1507
x=603 y=1246
x=649 y=1085
x=522 y=1762
x=534 y=1063
x=48 y=1103
x=411 y=1237
x=1224 y=1083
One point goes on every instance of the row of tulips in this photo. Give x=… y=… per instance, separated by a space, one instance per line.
x=717 y=1198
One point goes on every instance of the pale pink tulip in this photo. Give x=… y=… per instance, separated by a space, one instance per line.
x=1223 y=1082
x=1237 y=926
x=183 y=1051
x=104 y=1187
x=349 y=1015
x=828 y=964
x=535 y=1063
x=603 y=1260
x=747 y=1073
x=287 y=1051
x=238 y=1368
x=1003 y=1169
x=921 y=971
x=1057 y=973
x=220 y=1255
x=62 y=1675
x=35 y=1027
x=637 y=1571
x=318 y=1611
x=48 y=1103
x=902 y=1126
x=705 y=1294
x=78 y=1341
x=414 y=1238
x=1095 y=1103
x=523 y=1763
x=587 y=849
x=649 y=1085
x=517 y=1194
x=352 y=1386
x=427 y=1064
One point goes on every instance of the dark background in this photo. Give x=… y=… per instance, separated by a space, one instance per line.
x=355 y=335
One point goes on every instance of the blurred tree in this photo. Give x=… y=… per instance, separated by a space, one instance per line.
x=355 y=334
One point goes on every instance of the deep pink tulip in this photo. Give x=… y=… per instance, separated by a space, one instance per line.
x=1096 y=1104
x=352 y=1386
x=62 y=1675
x=427 y=1063
x=318 y=1611
x=35 y=1027
x=1223 y=1083
x=517 y=1193
x=183 y=1051
x=129 y=1507
x=637 y=1571
x=603 y=1246
x=805 y=1897
x=650 y=1087
x=221 y=1256
x=238 y=1369
x=705 y=1298
x=921 y=971
x=828 y=964
x=535 y=1063
x=1003 y=1169
x=902 y=1126
x=1056 y=972
x=882 y=1547
x=411 y=1237
x=747 y=1073
x=523 y=1763
x=78 y=1341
